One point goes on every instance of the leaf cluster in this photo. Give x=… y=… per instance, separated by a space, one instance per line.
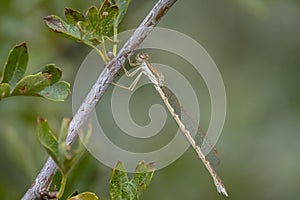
x=92 y=28
x=44 y=83
x=64 y=155
x=123 y=188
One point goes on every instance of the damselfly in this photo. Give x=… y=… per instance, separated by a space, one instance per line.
x=157 y=79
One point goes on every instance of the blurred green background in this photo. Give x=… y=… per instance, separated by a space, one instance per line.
x=256 y=46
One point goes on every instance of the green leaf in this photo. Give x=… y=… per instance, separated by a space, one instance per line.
x=59 y=26
x=119 y=184
x=99 y=23
x=31 y=85
x=13 y=83
x=70 y=154
x=108 y=15
x=90 y=29
x=64 y=155
x=143 y=175
x=4 y=90
x=85 y=196
x=48 y=139
x=57 y=92
x=73 y=16
x=15 y=65
x=64 y=130
x=121 y=188
x=53 y=71
x=122 y=5
x=63 y=148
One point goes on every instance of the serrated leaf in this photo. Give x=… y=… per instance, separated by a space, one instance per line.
x=85 y=196
x=15 y=65
x=4 y=90
x=143 y=175
x=48 y=139
x=57 y=92
x=123 y=6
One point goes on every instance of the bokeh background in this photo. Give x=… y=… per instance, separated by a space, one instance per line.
x=256 y=46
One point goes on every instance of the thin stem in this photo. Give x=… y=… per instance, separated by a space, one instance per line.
x=115 y=46
x=44 y=178
x=62 y=186
x=100 y=53
x=104 y=50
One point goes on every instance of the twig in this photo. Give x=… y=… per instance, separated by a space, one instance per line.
x=44 y=178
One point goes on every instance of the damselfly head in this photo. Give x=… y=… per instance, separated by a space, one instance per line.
x=142 y=57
